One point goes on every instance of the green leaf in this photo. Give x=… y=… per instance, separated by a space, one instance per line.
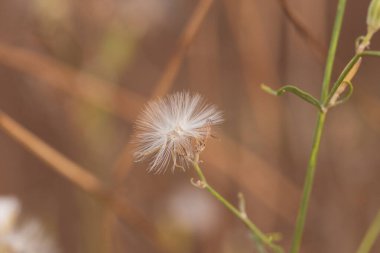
x=296 y=91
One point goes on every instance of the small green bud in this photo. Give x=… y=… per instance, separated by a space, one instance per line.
x=373 y=16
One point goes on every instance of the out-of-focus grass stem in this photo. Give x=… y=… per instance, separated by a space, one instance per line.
x=370 y=237
x=82 y=178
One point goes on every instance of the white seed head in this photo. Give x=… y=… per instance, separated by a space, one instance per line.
x=173 y=130
x=27 y=238
x=10 y=208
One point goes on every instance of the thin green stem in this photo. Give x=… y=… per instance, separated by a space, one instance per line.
x=332 y=49
x=242 y=216
x=346 y=71
x=370 y=53
x=308 y=184
x=370 y=237
x=259 y=246
x=341 y=78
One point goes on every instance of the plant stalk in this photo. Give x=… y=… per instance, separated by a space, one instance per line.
x=347 y=71
x=308 y=184
x=242 y=216
x=371 y=235
x=332 y=49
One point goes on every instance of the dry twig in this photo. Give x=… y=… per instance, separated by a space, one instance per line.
x=123 y=163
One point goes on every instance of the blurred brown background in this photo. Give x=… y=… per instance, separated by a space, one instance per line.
x=76 y=73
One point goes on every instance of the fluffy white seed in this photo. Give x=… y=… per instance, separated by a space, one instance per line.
x=173 y=130
x=10 y=209
x=26 y=237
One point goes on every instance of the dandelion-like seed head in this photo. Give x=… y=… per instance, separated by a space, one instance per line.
x=172 y=131
x=25 y=237
x=29 y=237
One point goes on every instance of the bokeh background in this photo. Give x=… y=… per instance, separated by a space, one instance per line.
x=76 y=73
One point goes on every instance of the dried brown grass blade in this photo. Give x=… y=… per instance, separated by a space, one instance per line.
x=186 y=38
x=79 y=176
x=124 y=162
x=102 y=94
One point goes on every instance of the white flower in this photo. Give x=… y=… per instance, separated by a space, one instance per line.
x=173 y=130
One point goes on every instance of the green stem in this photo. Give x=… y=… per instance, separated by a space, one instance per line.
x=370 y=237
x=333 y=46
x=370 y=53
x=242 y=216
x=308 y=184
x=341 y=78
x=346 y=71
x=259 y=246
